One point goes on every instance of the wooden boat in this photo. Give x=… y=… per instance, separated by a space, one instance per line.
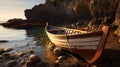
x=88 y=45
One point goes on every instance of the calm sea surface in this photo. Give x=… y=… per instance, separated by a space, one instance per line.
x=18 y=38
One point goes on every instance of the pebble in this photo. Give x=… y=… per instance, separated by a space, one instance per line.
x=93 y=66
x=37 y=43
x=34 y=58
x=22 y=62
x=28 y=63
x=62 y=58
x=6 y=55
x=16 y=45
x=31 y=51
x=57 y=61
x=13 y=56
x=1 y=50
x=21 y=54
x=1 y=57
x=8 y=49
x=58 y=51
x=51 y=46
x=27 y=44
x=11 y=63
x=42 y=64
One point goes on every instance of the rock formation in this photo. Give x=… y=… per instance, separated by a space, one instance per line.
x=74 y=10
x=104 y=10
x=59 y=11
x=117 y=21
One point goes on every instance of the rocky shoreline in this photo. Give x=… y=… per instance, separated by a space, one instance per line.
x=58 y=58
x=60 y=12
x=25 y=58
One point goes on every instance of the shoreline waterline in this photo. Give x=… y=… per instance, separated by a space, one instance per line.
x=21 y=39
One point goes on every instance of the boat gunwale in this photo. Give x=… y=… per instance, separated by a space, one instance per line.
x=72 y=36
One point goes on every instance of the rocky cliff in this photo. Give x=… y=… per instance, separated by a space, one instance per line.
x=45 y=13
x=99 y=11
x=59 y=11
x=73 y=10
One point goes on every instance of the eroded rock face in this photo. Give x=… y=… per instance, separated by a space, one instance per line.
x=117 y=21
x=44 y=13
x=104 y=10
x=73 y=10
x=59 y=11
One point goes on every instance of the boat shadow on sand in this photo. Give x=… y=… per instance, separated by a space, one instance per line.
x=109 y=58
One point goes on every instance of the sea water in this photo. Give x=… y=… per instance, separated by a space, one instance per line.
x=19 y=38
x=11 y=35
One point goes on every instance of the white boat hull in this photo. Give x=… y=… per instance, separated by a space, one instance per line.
x=88 y=45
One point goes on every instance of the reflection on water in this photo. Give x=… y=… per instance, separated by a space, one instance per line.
x=20 y=35
x=39 y=31
x=19 y=38
x=11 y=34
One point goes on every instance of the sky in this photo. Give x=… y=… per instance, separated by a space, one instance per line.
x=10 y=9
